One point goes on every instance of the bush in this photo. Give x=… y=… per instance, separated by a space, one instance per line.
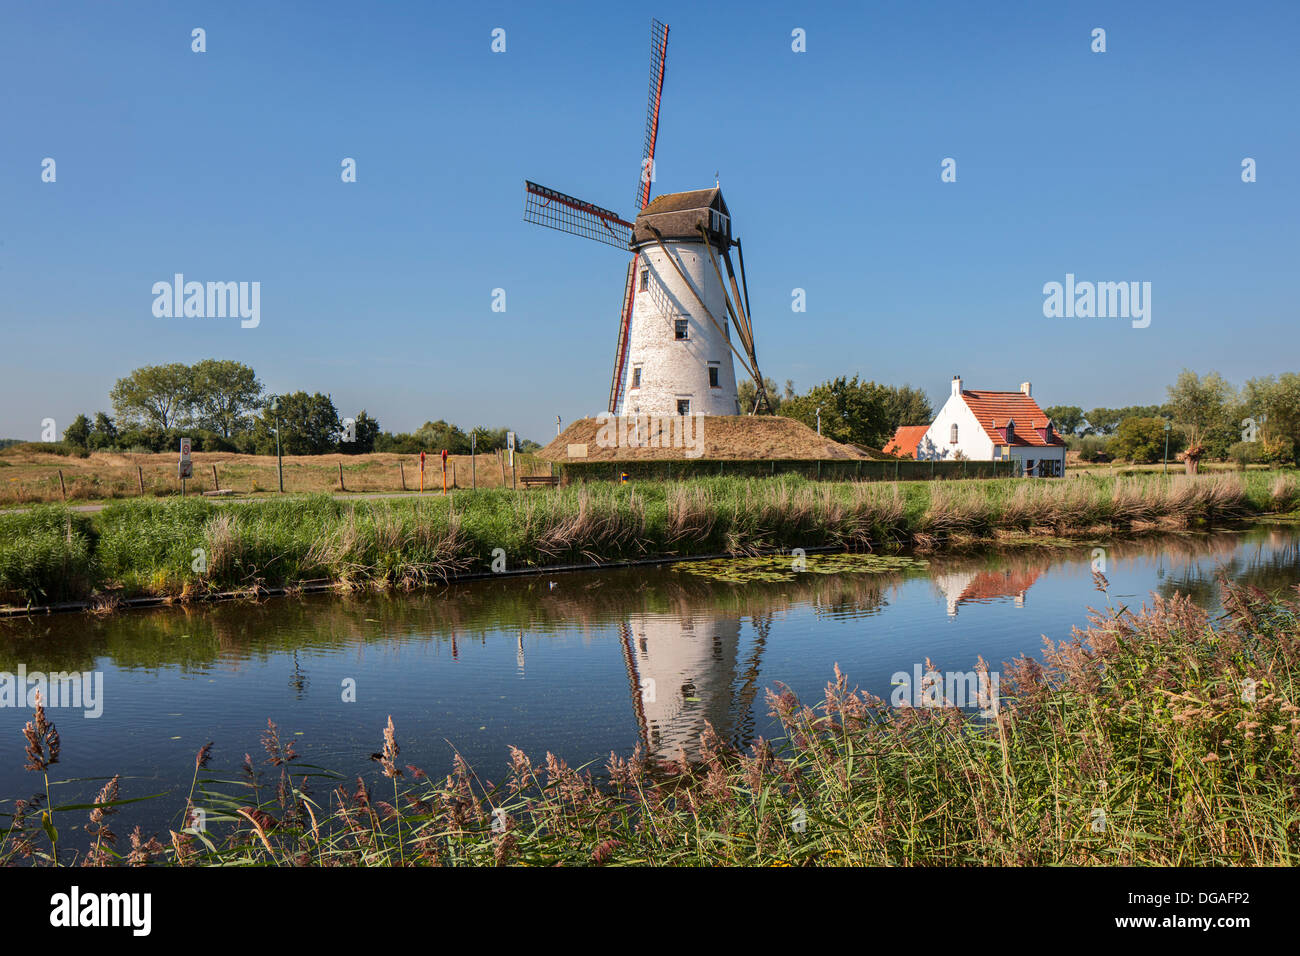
x=45 y=554
x=1244 y=453
x=1143 y=440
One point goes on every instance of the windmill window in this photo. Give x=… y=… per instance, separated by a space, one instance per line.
x=713 y=376
x=952 y=439
x=683 y=406
x=645 y=281
x=636 y=376
x=681 y=328
x=719 y=221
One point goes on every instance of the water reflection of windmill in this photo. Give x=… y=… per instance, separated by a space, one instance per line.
x=688 y=672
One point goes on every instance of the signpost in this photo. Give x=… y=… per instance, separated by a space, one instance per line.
x=279 y=461
x=185 y=467
x=510 y=444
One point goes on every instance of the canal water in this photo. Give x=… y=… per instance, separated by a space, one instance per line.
x=578 y=664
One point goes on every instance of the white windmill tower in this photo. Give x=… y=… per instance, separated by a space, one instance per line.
x=675 y=342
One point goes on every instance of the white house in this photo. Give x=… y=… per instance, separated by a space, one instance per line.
x=995 y=426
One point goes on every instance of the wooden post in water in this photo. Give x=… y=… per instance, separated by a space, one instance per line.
x=62 y=486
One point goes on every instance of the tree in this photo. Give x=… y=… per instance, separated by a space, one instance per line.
x=1274 y=403
x=78 y=433
x=1104 y=421
x=851 y=411
x=1198 y=405
x=367 y=431
x=906 y=405
x=104 y=434
x=225 y=394
x=1068 y=419
x=155 y=395
x=1140 y=439
x=436 y=436
x=309 y=425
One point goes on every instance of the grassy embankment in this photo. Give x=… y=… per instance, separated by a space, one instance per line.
x=185 y=549
x=1162 y=738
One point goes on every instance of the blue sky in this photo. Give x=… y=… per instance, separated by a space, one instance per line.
x=225 y=165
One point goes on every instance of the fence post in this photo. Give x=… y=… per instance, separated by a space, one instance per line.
x=341 y=488
x=139 y=473
x=62 y=486
x=402 y=471
x=216 y=485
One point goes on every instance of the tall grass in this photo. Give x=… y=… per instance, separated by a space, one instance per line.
x=1163 y=737
x=191 y=547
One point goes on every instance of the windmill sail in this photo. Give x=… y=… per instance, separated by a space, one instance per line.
x=556 y=210
x=629 y=294
x=658 y=62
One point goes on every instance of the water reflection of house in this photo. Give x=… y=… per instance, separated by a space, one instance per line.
x=982 y=587
x=686 y=672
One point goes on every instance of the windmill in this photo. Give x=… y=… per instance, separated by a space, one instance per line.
x=675 y=348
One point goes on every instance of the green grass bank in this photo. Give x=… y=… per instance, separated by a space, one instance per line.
x=191 y=548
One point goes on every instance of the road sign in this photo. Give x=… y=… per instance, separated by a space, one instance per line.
x=185 y=467
x=510 y=444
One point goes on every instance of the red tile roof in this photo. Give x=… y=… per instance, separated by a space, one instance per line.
x=906 y=439
x=993 y=409
x=988 y=585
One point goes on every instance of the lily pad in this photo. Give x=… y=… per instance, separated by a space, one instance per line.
x=781 y=567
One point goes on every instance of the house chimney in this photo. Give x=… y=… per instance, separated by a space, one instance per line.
x=1024 y=388
x=956 y=384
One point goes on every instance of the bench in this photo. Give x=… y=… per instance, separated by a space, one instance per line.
x=530 y=480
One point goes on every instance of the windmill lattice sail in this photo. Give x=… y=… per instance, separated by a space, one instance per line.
x=554 y=209
x=658 y=63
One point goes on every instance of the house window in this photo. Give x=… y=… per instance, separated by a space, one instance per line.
x=681 y=328
x=952 y=435
x=636 y=376
x=645 y=281
x=683 y=406
x=713 y=377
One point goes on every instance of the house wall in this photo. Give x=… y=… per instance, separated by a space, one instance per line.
x=1038 y=453
x=673 y=369
x=973 y=441
x=971 y=438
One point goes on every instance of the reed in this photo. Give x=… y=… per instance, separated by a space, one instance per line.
x=188 y=549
